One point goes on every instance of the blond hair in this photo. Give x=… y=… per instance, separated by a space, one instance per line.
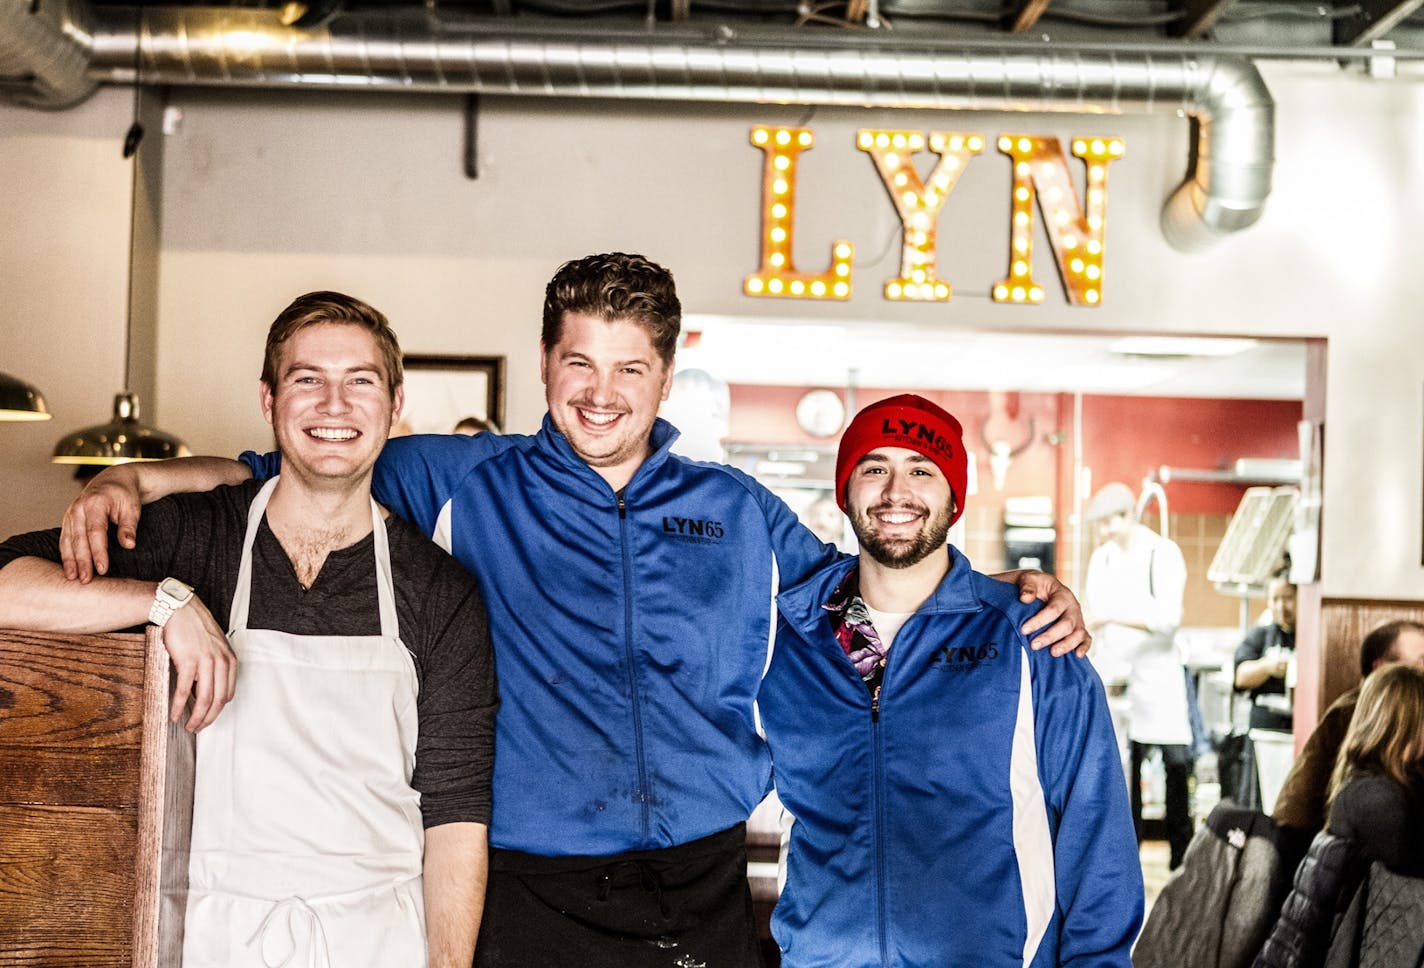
x=1386 y=734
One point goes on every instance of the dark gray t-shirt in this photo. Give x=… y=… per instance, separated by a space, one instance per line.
x=197 y=538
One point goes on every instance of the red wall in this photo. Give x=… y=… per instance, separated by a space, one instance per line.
x=1124 y=438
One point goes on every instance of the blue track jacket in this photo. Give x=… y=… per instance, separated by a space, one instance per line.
x=630 y=630
x=980 y=820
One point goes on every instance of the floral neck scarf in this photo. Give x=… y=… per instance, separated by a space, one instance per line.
x=850 y=622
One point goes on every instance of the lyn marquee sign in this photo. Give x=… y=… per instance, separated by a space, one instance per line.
x=1074 y=226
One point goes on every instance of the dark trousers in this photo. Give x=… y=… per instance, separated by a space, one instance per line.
x=689 y=904
x=1177 y=763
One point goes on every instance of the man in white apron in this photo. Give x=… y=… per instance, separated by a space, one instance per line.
x=342 y=796
x=1132 y=598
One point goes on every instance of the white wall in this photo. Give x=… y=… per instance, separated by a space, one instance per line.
x=64 y=234
x=268 y=194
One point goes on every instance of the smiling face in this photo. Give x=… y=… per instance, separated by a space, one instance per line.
x=604 y=382
x=332 y=406
x=899 y=505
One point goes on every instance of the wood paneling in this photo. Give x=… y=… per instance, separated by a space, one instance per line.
x=81 y=717
x=1344 y=624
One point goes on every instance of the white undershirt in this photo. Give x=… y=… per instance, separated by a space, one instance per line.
x=887 y=624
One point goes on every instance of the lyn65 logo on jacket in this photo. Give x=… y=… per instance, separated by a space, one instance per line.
x=699 y=530
x=957 y=657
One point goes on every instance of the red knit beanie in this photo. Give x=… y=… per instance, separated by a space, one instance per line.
x=912 y=422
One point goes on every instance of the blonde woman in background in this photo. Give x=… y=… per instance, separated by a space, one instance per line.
x=1378 y=783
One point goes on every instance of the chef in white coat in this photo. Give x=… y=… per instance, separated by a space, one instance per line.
x=1132 y=600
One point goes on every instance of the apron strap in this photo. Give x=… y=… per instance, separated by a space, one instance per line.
x=385 y=582
x=318 y=954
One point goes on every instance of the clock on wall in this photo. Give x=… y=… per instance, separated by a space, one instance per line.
x=820 y=413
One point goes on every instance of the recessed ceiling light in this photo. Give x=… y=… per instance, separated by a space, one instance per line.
x=1179 y=346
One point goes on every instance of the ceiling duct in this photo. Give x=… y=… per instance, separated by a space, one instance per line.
x=44 y=53
x=1225 y=189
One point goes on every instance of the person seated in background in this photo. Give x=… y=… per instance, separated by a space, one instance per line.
x=1263 y=659
x=476 y=425
x=823 y=516
x=1375 y=816
x=1377 y=788
x=1300 y=806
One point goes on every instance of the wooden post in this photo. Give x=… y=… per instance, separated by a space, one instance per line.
x=81 y=822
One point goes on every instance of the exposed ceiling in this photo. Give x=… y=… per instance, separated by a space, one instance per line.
x=878 y=355
x=1253 y=27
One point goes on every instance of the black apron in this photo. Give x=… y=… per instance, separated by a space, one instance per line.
x=679 y=907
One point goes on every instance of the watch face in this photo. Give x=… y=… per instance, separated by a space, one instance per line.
x=175 y=589
x=820 y=413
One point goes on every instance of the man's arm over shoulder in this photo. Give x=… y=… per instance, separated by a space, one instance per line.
x=1301 y=802
x=116 y=495
x=799 y=553
x=416 y=476
x=1097 y=871
x=1059 y=625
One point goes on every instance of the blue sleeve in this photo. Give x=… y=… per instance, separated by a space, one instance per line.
x=263 y=466
x=1096 y=867
x=799 y=553
x=415 y=475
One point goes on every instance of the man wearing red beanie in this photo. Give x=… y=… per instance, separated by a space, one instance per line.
x=958 y=799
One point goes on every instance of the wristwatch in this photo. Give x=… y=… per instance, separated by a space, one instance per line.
x=172 y=595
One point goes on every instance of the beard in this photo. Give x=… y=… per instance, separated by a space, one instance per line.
x=901 y=552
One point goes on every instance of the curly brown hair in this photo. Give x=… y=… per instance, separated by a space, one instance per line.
x=614 y=286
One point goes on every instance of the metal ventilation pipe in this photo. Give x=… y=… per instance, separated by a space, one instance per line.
x=44 y=53
x=1225 y=190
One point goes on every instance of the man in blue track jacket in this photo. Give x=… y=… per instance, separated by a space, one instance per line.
x=958 y=800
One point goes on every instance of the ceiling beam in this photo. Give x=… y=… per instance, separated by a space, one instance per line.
x=1373 y=19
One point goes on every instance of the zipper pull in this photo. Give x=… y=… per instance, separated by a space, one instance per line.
x=622 y=507
x=875 y=707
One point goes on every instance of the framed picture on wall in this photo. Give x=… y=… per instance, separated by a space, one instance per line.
x=442 y=391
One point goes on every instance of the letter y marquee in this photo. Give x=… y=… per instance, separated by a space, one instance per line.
x=918 y=205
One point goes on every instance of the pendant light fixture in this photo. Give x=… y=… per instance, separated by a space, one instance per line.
x=124 y=438
x=20 y=401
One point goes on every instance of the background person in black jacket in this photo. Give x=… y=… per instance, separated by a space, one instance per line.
x=1263 y=659
x=1378 y=784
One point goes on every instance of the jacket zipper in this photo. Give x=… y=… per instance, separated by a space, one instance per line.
x=882 y=876
x=877 y=786
x=628 y=653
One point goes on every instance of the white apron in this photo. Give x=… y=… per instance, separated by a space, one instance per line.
x=307 y=835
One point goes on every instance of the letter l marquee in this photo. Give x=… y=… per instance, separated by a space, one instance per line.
x=778 y=275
